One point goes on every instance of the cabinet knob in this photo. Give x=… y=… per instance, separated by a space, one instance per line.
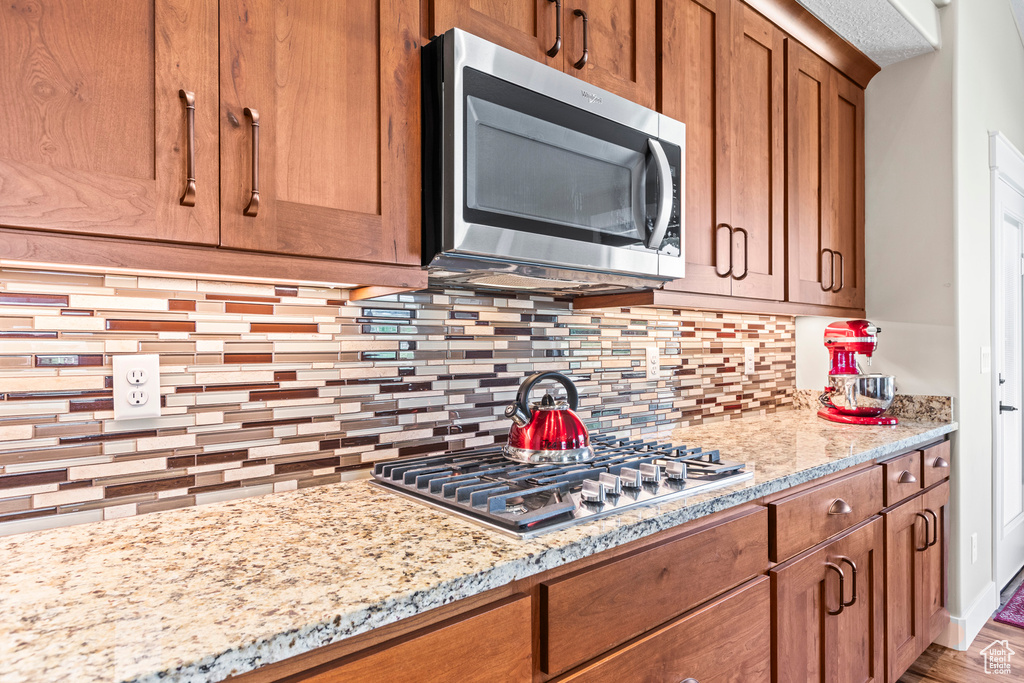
x=840 y=507
x=907 y=478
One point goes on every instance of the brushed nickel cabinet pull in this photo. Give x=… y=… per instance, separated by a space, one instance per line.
x=935 y=527
x=746 y=254
x=831 y=270
x=718 y=228
x=188 y=198
x=927 y=523
x=842 y=272
x=842 y=579
x=558 y=29
x=839 y=507
x=907 y=478
x=940 y=463
x=853 y=599
x=582 y=62
x=253 y=207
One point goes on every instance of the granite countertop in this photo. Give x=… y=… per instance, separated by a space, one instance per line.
x=201 y=593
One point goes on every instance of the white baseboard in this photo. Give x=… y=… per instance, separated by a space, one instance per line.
x=962 y=630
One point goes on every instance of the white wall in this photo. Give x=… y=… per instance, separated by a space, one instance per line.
x=929 y=254
x=988 y=77
x=908 y=232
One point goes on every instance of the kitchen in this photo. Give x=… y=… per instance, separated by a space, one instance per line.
x=259 y=230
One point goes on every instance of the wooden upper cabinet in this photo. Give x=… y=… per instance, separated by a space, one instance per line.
x=826 y=183
x=621 y=37
x=825 y=631
x=723 y=75
x=335 y=155
x=621 y=46
x=529 y=27
x=755 y=155
x=846 y=199
x=93 y=133
x=692 y=56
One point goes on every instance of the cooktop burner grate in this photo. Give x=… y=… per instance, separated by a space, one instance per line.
x=528 y=500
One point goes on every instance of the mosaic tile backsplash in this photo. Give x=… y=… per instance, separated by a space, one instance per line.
x=270 y=388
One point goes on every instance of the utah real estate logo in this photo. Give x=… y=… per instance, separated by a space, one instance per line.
x=997 y=657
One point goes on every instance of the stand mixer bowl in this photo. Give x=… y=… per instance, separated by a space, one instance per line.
x=860 y=395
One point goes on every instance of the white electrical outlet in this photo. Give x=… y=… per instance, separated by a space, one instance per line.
x=653 y=357
x=748 y=360
x=136 y=386
x=974 y=548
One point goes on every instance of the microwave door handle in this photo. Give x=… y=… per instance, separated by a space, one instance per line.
x=657 y=234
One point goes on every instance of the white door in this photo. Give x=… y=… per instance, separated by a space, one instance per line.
x=1009 y=461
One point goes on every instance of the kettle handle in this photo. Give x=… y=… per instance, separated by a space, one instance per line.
x=523 y=397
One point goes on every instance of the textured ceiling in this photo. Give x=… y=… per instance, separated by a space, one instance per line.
x=877 y=28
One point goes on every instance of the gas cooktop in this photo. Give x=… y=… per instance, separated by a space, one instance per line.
x=528 y=500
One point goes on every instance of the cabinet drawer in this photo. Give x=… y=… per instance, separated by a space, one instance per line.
x=902 y=477
x=590 y=611
x=726 y=640
x=803 y=520
x=492 y=643
x=935 y=464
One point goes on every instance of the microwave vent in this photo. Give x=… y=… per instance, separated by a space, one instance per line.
x=510 y=281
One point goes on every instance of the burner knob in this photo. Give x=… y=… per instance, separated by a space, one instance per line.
x=675 y=470
x=593 y=491
x=612 y=483
x=630 y=478
x=650 y=473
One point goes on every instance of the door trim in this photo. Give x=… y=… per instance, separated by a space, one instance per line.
x=1007 y=166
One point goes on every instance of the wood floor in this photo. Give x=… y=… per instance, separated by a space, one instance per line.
x=941 y=665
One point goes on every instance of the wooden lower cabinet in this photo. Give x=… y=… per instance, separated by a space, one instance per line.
x=697 y=603
x=728 y=639
x=829 y=610
x=490 y=644
x=586 y=613
x=916 y=548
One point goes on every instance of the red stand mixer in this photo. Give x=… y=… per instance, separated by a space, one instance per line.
x=851 y=396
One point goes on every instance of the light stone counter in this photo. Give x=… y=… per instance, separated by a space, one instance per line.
x=200 y=593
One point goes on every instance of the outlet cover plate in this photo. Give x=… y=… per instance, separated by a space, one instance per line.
x=653 y=362
x=748 y=360
x=126 y=408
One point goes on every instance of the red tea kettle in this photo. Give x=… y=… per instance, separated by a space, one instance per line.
x=549 y=431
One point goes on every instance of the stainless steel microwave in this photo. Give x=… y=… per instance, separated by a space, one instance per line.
x=535 y=179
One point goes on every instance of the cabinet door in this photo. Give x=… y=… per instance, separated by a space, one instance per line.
x=825 y=117
x=810 y=265
x=529 y=27
x=906 y=540
x=755 y=154
x=621 y=46
x=336 y=89
x=846 y=183
x=934 y=607
x=93 y=133
x=693 y=58
x=811 y=643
